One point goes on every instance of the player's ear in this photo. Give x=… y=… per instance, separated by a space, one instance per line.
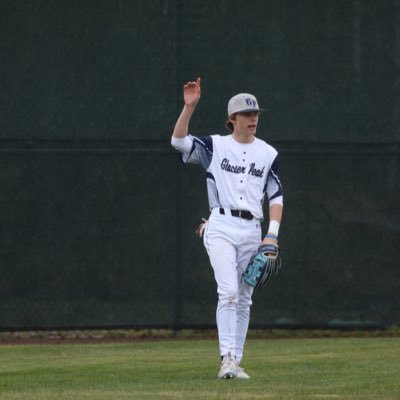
x=229 y=122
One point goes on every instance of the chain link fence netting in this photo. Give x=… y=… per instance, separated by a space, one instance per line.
x=97 y=215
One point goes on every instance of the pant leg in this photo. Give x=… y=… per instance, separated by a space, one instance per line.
x=223 y=261
x=242 y=318
x=245 y=292
x=230 y=242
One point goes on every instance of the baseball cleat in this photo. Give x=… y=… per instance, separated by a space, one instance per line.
x=229 y=368
x=242 y=374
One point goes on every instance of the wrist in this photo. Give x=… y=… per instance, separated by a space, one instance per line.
x=271 y=236
x=189 y=107
x=273 y=230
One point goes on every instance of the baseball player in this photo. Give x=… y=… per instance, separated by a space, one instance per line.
x=242 y=171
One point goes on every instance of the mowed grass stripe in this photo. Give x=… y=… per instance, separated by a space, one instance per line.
x=343 y=368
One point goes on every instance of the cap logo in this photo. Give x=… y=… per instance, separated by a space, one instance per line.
x=251 y=102
x=242 y=102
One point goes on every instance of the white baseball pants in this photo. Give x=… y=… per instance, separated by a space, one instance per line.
x=230 y=242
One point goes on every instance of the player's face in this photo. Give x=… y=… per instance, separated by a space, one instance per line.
x=246 y=123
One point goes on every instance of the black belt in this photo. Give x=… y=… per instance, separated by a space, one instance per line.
x=238 y=213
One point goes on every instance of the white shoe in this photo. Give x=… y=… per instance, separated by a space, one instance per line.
x=242 y=374
x=229 y=368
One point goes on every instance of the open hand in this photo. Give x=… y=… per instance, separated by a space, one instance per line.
x=191 y=93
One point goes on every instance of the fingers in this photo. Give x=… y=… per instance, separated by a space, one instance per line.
x=200 y=230
x=270 y=241
x=193 y=84
x=202 y=227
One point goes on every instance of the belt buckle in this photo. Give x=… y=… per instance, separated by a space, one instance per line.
x=240 y=213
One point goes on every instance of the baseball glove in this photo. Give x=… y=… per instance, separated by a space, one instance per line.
x=262 y=266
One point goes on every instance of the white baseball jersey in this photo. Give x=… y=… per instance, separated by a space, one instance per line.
x=239 y=175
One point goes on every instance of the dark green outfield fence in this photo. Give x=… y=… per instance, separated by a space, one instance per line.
x=97 y=215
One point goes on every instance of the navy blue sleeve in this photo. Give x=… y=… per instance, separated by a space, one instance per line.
x=201 y=152
x=273 y=185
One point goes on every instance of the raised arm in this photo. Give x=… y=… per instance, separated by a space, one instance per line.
x=191 y=96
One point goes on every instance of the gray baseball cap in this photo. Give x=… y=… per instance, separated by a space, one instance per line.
x=243 y=102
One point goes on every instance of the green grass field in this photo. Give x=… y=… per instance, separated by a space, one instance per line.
x=324 y=368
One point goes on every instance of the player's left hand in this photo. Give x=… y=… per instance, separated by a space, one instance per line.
x=270 y=241
x=262 y=266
